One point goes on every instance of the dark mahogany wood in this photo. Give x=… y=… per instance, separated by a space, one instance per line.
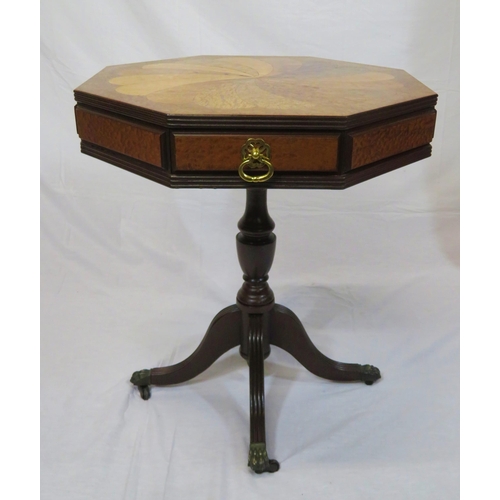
x=256 y=245
x=255 y=323
x=223 y=334
x=288 y=333
x=258 y=459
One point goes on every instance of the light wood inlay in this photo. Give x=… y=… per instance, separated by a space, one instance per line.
x=128 y=138
x=289 y=153
x=383 y=141
x=255 y=86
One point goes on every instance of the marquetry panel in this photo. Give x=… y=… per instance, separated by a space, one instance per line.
x=382 y=141
x=255 y=86
x=142 y=142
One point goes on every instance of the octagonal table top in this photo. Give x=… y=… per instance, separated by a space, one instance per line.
x=256 y=86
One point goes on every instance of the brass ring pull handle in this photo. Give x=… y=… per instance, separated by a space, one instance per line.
x=256 y=153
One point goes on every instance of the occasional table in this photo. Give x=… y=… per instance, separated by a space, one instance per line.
x=255 y=123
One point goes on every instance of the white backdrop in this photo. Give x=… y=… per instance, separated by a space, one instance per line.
x=133 y=272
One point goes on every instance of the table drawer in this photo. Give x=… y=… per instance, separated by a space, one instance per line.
x=199 y=152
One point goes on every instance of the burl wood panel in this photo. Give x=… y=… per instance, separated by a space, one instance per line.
x=128 y=138
x=255 y=86
x=383 y=141
x=289 y=153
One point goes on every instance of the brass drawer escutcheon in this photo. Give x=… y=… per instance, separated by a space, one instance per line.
x=256 y=153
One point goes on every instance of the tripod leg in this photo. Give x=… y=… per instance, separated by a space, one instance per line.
x=223 y=334
x=288 y=333
x=258 y=459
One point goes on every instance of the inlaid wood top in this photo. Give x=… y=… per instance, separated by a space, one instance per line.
x=255 y=86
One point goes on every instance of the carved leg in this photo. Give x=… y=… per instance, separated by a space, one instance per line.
x=223 y=334
x=288 y=333
x=258 y=459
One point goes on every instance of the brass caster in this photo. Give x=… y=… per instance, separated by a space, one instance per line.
x=370 y=374
x=145 y=392
x=142 y=379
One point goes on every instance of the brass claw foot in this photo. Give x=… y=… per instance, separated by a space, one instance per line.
x=142 y=379
x=258 y=460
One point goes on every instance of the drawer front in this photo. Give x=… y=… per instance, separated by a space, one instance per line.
x=382 y=141
x=222 y=152
x=142 y=142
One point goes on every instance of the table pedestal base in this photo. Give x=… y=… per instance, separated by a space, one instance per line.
x=255 y=323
